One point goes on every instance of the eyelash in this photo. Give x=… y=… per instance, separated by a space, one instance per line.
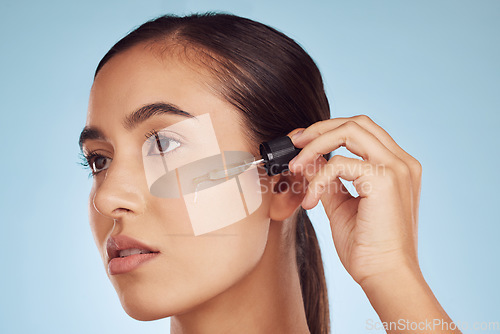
x=87 y=159
x=159 y=137
x=151 y=133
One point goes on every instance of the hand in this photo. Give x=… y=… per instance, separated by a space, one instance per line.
x=375 y=234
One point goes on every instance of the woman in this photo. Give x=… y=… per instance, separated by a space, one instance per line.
x=263 y=273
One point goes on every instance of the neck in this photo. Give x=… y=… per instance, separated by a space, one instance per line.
x=267 y=300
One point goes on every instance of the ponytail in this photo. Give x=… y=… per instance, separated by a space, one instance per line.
x=312 y=277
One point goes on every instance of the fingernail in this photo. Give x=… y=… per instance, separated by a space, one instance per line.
x=297 y=135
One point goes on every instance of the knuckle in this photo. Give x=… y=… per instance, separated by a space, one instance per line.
x=364 y=118
x=403 y=169
x=333 y=164
x=317 y=127
x=416 y=166
x=350 y=125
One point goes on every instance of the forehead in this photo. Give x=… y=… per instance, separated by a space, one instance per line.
x=140 y=76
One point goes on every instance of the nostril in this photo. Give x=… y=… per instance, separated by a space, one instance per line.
x=119 y=211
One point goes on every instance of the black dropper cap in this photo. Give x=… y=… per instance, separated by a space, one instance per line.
x=277 y=153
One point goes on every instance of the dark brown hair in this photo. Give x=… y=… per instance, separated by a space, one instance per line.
x=275 y=85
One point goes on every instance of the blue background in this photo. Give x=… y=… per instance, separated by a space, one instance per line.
x=426 y=71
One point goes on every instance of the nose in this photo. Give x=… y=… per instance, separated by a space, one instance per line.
x=121 y=192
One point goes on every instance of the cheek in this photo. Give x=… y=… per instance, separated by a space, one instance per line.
x=194 y=269
x=227 y=252
x=191 y=269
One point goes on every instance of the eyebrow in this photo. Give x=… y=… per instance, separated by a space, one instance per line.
x=134 y=119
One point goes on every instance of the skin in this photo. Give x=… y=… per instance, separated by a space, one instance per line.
x=375 y=234
x=252 y=275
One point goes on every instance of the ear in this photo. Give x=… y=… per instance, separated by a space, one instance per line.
x=288 y=192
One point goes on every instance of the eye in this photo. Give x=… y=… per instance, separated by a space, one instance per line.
x=99 y=163
x=95 y=162
x=160 y=144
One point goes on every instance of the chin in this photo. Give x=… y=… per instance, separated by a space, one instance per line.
x=148 y=302
x=147 y=306
x=140 y=314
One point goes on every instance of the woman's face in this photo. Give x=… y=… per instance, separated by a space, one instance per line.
x=188 y=269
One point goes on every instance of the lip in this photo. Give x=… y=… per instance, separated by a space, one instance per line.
x=120 y=265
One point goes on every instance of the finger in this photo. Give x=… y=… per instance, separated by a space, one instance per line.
x=349 y=169
x=366 y=122
x=351 y=135
x=364 y=144
x=340 y=193
x=413 y=164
